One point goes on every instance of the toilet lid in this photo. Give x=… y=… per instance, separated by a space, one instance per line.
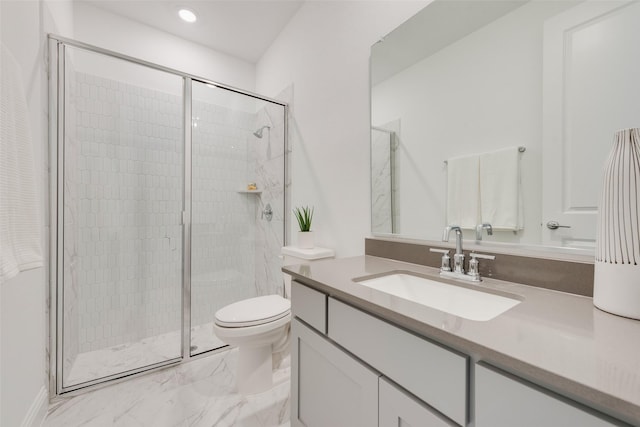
x=253 y=311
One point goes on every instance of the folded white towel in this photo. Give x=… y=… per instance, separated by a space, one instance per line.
x=20 y=225
x=463 y=191
x=500 y=191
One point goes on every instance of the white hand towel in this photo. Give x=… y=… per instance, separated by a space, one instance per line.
x=20 y=225
x=463 y=193
x=500 y=189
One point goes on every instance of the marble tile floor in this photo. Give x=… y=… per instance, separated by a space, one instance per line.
x=199 y=393
x=204 y=339
x=121 y=358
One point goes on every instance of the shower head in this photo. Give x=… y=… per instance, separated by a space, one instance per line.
x=258 y=133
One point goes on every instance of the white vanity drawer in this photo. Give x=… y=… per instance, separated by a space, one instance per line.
x=431 y=372
x=503 y=400
x=309 y=305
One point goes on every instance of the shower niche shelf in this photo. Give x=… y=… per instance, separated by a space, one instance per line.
x=250 y=191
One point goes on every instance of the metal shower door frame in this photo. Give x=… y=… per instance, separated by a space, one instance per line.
x=56 y=106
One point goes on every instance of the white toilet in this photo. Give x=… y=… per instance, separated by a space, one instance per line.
x=259 y=326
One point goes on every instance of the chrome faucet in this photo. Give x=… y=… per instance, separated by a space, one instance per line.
x=458 y=258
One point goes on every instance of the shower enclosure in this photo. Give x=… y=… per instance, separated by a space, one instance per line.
x=154 y=227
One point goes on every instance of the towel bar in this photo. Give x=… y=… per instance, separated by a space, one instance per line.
x=520 y=149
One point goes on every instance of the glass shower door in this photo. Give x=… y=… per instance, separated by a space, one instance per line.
x=237 y=220
x=121 y=217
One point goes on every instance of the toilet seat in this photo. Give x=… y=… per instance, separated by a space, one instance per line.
x=253 y=312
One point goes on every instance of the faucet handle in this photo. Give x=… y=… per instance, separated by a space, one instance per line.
x=474 y=265
x=445 y=263
x=475 y=255
x=440 y=251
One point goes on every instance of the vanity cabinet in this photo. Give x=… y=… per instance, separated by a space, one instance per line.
x=343 y=377
x=329 y=387
x=503 y=400
x=398 y=408
x=433 y=373
x=350 y=368
x=309 y=305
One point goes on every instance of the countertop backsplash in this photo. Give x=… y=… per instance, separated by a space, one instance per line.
x=572 y=276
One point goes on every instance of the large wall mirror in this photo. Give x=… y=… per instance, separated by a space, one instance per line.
x=469 y=95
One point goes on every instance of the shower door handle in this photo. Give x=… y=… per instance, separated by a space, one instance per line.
x=267 y=212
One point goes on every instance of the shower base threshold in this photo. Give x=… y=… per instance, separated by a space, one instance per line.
x=108 y=361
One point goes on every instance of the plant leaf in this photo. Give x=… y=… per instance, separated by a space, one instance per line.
x=304 y=216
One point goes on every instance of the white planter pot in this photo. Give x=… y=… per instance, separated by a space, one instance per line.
x=617 y=266
x=305 y=240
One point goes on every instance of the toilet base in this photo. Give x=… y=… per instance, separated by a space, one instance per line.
x=255 y=371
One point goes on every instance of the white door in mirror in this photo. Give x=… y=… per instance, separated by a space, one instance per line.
x=585 y=44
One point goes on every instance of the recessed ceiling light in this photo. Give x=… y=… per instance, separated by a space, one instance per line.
x=187 y=15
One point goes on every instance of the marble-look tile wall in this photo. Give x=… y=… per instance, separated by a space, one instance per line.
x=123 y=204
x=269 y=164
x=381 y=206
x=385 y=140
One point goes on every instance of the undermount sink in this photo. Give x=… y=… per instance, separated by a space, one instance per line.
x=457 y=300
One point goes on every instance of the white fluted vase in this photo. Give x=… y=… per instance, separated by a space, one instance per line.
x=617 y=270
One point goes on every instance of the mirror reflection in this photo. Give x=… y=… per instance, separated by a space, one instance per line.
x=501 y=112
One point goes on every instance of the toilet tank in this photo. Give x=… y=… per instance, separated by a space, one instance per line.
x=294 y=255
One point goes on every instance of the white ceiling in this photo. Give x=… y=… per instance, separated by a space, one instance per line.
x=242 y=28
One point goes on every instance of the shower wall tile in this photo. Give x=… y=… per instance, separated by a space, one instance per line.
x=223 y=225
x=235 y=249
x=70 y=339
x=126 y=204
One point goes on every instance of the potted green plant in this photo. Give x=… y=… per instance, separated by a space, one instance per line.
x=304 y=215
